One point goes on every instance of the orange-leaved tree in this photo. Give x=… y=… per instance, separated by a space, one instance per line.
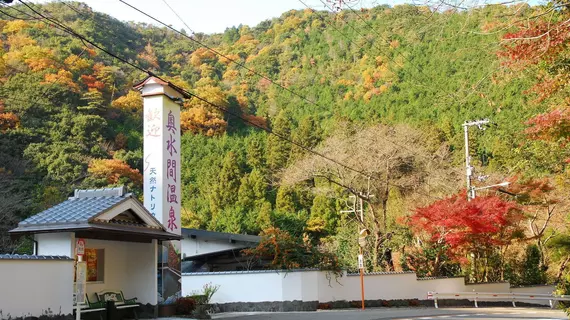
x=113 y=170
x=284 y=251
x=8 y=120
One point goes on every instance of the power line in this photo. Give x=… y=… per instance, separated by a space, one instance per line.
x=15 y=17
x=350 y=41
x=176 y=13
x=189 y=94
x=72 y=8
x=192 y=95
x=241 y=65
x=244 y=66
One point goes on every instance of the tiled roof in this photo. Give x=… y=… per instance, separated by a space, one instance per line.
x=74 y=210
x=99 y=210
x=31 y=257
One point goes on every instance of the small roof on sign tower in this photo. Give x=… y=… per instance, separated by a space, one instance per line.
x=152 y=85
x=110 y=213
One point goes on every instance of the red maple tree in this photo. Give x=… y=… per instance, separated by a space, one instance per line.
x=484 y=222
x=543 y=44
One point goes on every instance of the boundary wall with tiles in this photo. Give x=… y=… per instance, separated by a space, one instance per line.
x=35 y=286
x=321 y=287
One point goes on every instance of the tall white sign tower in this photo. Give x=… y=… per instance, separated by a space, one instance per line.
x=162 y=195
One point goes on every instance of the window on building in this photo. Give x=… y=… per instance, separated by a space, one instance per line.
x=95 y=259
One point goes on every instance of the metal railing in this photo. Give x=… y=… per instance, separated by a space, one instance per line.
x=497 y=296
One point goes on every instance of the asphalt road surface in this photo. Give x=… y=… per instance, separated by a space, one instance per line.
x=405 y=314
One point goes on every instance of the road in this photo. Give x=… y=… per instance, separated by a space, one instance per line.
x=404 y=314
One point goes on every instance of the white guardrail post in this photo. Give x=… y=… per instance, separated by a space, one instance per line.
x=498 y=296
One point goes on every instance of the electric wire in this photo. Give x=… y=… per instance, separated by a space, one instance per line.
x=189 y=94
x=238 y=63
x=242 y=65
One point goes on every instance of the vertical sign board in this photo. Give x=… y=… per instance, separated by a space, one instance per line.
x=80 y=282
x=80 y=272
x=162 y=196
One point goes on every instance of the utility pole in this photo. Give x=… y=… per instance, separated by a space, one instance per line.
x=358 y=210
x=468 y=167
x=471 y=190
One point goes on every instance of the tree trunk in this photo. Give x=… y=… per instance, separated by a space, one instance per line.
x=562 y=268
x=386 y=252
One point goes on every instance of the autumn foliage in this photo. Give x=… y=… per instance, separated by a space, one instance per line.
x=8 y=120
x=539 y=41
x=201 y=121
x=286 y=252
x=485 y=221
x=113 y=170
x=553 y=125
x=130 y=102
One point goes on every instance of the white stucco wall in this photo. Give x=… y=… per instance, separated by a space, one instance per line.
x=380 y=286
x=237 y=287
x=549 y=289
x=142 y=268
x=129 y=266
x=316 y=286
x=193 y=247
x=488 y=287
x=439 y=285
x=31 y=287
x=55 y=244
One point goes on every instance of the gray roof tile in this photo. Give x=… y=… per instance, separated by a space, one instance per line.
x=31 y=257
x=74 y=210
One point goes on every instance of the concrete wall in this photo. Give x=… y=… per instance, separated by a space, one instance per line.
x=31 y=287
x=269 y=286
x=129 y=266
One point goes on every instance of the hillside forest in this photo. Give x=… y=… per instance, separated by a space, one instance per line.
x=382 y=91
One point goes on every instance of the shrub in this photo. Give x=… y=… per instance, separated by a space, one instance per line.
x=185 y=305
x=324 y=306
x=414 y=303
x=200 y=298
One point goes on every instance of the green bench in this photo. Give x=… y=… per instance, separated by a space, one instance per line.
x=88 y=306
x=118 y=297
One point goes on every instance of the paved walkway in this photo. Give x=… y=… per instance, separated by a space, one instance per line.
x=404 y=314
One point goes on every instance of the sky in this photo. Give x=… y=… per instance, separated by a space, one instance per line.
x=210 y=16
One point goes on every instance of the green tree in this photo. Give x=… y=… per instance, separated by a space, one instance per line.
x=256 y=153
x=324 y=216
x=307 y=135
x=225 y=190
x=278 y=150
x=285 y=201
x=533 y=272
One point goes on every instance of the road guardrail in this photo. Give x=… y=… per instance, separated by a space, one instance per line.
x=498 y=296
